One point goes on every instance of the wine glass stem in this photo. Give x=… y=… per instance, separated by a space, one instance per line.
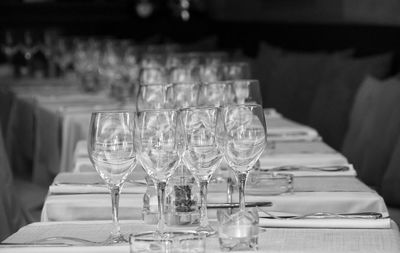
x=161 y=201
x=115 y=191
x=203 y=203
x=242 y=176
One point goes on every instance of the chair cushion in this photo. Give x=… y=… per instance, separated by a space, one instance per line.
x=12 y=215
x=374 y=127
x=334 y=97
x=390 y=186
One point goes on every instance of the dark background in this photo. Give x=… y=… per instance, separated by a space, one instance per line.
x=369 y=26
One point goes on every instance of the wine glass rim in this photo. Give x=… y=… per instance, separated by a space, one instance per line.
x=185 y=83
x=217 y=82
x=198 y=108
x=244 y=105
x=155 y=84
x=115 y=111
x=235 y=63
x=159 y=110
x=245 y=80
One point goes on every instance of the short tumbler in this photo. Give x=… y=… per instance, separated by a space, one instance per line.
x=238 y=230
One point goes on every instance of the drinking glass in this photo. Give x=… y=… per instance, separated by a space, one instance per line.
x=152 y=75
x=246 y=138
x=238 y=231
x=235 y=70
x=152 y=96
x=181 y=74
x=113 y=153
x=157 y=140
x=246 y=91
x=207 y=73
x=182 y=95
x=217 y=93
x=178 y=242
x=202 y=131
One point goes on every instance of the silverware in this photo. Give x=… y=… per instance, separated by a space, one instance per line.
x=28 y=244
x=325 y=215
x=330 y=168
x=99 y=184
x=56 y=241
x=236 y=205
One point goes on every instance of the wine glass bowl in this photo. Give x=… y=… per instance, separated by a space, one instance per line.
x=217 y=93
x=152 y=96
x=246 y=91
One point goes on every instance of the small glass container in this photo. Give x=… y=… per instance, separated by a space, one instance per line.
x=238 y=230
x=267 y=183
x=177 y=242
x=150 y=203
x=182 y=197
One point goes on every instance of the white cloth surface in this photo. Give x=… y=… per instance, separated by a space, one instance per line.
x=314 y=153
x=337 y=195
x=283 y=129
x=91 y=182
x=325 y=223
x=284 y=153
x=281 y=240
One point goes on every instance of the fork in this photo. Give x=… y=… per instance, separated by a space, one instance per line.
x=331 y=168
x=327 y=215
x=63 y=241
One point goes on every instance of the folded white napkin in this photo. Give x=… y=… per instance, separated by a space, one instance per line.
x=325 y=223
x=91 y=182
x=81 y=149
x=304 y=154
x=282 y=129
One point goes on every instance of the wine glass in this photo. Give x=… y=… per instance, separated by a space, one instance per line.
x=152 y=96
x=217 y=93
x=246 y=138
x=182 y=95
x=112 y=152
x=152 y=75
x=246 y=91
x=202 y=131
x=157 y=138
x=235 y=70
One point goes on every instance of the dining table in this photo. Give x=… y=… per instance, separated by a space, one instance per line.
x=48 y=124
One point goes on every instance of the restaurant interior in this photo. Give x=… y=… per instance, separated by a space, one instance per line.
x=320 y=164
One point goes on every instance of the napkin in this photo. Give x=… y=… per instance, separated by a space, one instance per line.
x=303 y=154
x=90 y=207
x=91 y=182
x=81 y=149
x=282 y=129
x=325 y=223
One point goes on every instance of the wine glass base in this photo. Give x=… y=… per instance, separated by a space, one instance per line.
x=206 y=230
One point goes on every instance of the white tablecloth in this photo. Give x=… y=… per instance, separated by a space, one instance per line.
x=330 y=194
x=281 y=240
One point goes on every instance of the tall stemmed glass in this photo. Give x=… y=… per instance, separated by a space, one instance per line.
x=246 y=91
x=152 y=96
x=203 y=151
x=113 y=153
x=246 y=138
x=157 y=138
